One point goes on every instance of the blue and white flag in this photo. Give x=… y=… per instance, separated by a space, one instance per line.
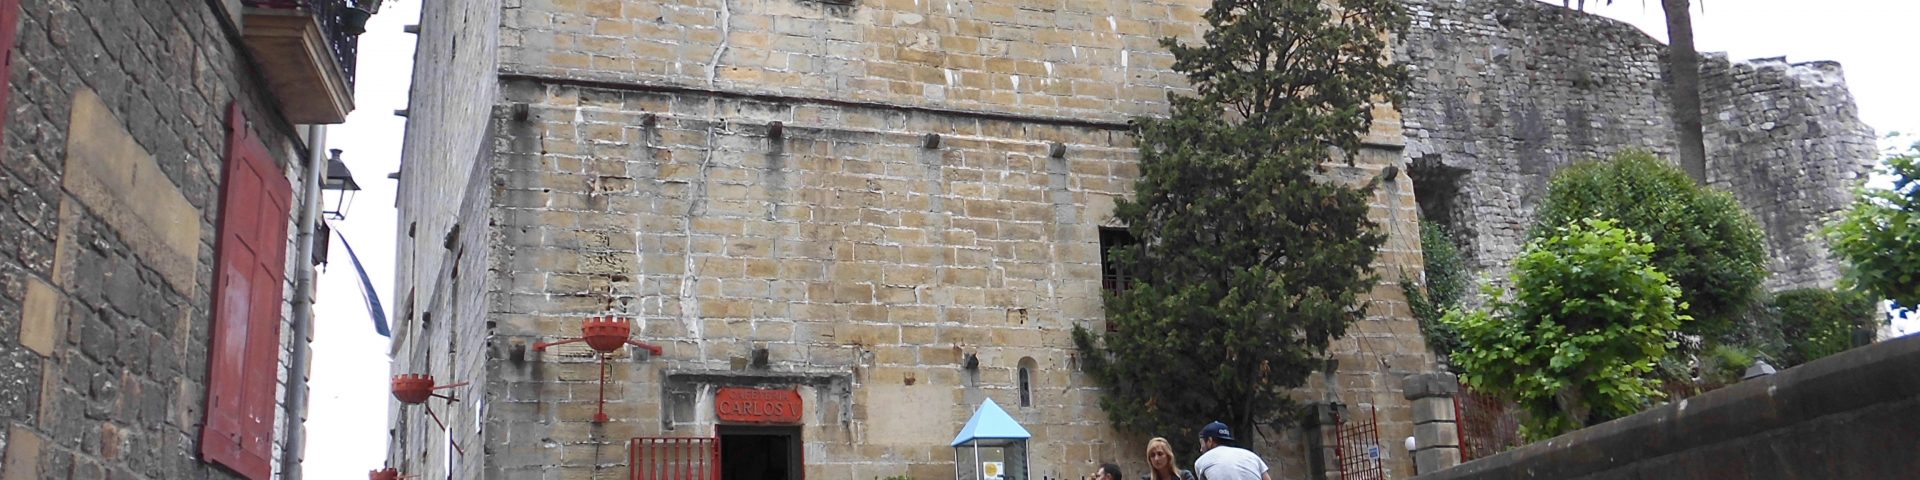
x=372 y=297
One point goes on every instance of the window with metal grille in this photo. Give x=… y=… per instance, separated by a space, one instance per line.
x=1113 y=278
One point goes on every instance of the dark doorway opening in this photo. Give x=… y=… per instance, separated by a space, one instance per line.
x=760 y=453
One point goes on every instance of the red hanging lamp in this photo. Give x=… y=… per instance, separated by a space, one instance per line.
x=388 y=473
x=416 y=389
x=604 y=335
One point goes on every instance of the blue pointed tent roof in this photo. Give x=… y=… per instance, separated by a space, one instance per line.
x=990 y=422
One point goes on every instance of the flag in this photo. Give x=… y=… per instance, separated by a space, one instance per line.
x=372 y=297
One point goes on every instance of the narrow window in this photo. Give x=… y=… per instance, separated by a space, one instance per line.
x=1113 y=279
x=1026 y=381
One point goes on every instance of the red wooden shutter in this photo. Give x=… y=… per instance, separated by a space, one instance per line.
x=9 y=28
x=250 y=267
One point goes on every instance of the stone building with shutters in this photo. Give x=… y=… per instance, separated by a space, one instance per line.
x=157 y=203
x=880 y=214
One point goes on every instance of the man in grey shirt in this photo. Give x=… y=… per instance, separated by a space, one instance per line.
x=1221 y=460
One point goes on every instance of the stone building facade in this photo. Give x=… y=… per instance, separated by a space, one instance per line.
x=893 y=209
x=135 y=340
x=1507 y=92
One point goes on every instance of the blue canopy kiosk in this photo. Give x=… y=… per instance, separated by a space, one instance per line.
x=991 y=447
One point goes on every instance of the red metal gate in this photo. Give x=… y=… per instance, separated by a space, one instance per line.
x=1358 y=448
x=674 y=458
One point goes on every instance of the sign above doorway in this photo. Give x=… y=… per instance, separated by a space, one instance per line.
x=759 y=406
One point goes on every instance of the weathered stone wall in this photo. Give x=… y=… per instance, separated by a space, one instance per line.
x=868 y=267
x=1507 y=92
x=1076 y=59
x=1841 y=416
x=1787 y=140
x=115 y=140
x=442 y=267
x=634 y=175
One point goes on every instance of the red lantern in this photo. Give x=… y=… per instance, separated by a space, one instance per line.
x=416 y=389
x=387 y=474
x=604 y=335
x=412 y=389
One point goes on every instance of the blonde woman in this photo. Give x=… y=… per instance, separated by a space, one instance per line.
x=1160 y=462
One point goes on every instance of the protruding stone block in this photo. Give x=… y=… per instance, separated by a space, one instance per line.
x=1424 y=385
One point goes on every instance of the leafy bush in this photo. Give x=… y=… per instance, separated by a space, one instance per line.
x=1444 y=284
x=1818 y=322
x=1879 y=235
x=1701 y=237
x=1589 y=319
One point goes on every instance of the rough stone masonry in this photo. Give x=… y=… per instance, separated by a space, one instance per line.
x=1507 y=92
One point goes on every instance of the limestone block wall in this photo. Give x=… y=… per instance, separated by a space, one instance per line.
x=110 y=182
x=1507 y=92
x=868 y=267
x=442 y=264
x=634 y=171
x=1097 y=60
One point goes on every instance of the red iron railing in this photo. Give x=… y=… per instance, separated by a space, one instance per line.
x=1487 y=425
x=674 y=458
x=1358 y=448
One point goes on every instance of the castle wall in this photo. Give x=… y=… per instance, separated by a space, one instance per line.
x=1787 y=140
x=1507 y=92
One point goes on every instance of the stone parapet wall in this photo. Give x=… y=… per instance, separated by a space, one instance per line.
x=1842 y=416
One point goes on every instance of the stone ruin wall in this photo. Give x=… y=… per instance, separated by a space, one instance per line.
x=1786 y=139
x=1507 y=92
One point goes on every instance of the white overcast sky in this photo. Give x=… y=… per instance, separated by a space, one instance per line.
x=347 y=424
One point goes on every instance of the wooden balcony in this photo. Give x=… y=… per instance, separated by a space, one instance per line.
x=306 y=56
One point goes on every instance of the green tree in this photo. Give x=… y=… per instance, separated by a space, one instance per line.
x=1702 y=238
x=1250 y=260
x=1578 y=342
x=1879 y=235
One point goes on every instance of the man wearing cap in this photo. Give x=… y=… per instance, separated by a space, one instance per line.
x=1221 y=460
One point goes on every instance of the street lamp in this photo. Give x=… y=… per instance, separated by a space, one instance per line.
x=339 y=180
